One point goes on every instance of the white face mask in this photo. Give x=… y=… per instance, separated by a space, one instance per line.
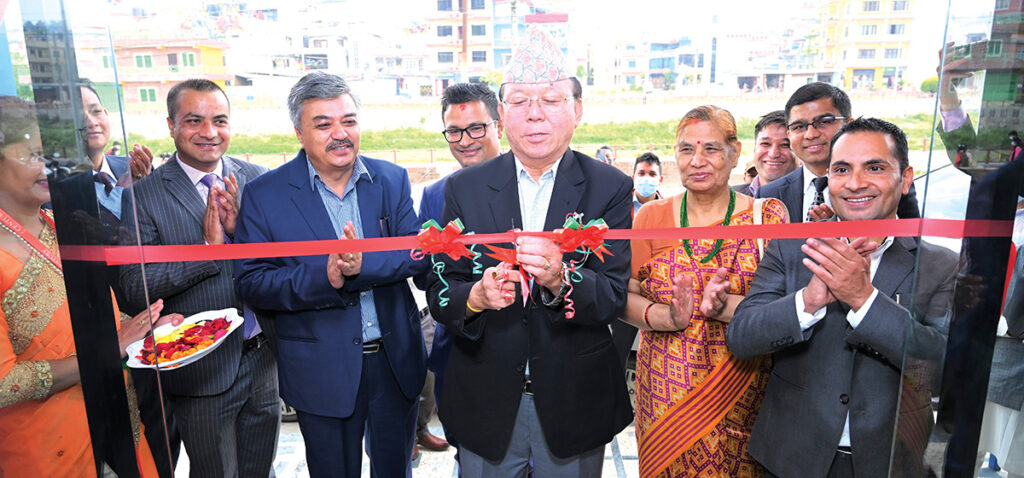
x=645 y=186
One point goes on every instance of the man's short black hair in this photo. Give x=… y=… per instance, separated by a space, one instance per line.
x=775 y=117
x=461 y=93
x=649 y=158
x=816 y=91
x=900 y=149
x=195 y=84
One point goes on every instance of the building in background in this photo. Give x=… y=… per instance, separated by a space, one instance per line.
x=868 y=42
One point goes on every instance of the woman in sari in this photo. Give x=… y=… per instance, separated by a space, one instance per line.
x=696 y=403
x=43 y=427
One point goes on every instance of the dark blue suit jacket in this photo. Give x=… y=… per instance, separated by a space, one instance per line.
x=319 y=338
x=432 y=207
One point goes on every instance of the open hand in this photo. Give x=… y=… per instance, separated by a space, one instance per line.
x=716 y=294
x=143 y=323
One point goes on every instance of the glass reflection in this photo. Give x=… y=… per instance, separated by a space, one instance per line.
x=979 y=101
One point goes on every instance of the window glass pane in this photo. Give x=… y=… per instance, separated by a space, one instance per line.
x=635 y=78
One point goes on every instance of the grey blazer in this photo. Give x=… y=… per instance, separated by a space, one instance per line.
x=170 y=211
x=1006 y=381
x=820 y=375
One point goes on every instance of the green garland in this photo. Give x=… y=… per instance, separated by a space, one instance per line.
x=725 y=222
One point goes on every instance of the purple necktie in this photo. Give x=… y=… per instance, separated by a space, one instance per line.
x=104 y=179
x=209 y=180
x=250 y=326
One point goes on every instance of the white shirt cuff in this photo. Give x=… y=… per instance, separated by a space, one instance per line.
x=854 y=318
x=806 y=320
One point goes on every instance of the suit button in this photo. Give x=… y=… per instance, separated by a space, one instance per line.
x=844 y=399
x=520 y=368
x=357 y=341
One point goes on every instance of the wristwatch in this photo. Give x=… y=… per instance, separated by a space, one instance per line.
x=556 y=300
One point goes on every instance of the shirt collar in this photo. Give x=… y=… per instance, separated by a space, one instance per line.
x=808 y=177
x=881 y=247
x=105 y=168
x=636 y=198
x=521 y=170
x=755 y=185
x=194 y=174
x=358 y=171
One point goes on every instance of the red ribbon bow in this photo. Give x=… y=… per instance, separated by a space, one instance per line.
x=434 y=240
x=591 y=236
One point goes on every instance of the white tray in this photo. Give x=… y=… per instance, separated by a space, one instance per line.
x=134 y=350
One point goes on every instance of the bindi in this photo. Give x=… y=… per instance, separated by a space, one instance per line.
x=462 y=107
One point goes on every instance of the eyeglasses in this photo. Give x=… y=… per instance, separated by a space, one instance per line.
x=32 y=157
x=819 y=123
x=475 y=131
x=520 y=104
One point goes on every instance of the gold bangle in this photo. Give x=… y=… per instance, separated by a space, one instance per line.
x=471 y=309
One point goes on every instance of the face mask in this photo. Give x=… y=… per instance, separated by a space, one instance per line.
x=645 y=186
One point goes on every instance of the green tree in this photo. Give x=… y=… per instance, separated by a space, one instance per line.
x=930 y=85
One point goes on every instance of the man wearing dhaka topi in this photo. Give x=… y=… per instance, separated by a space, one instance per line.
x=533 y=378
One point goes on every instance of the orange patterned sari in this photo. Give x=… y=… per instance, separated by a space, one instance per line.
x=42 y=434
x=696 y=403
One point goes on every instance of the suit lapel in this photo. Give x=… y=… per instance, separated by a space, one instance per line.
x=896 y=266
x=796 y=197
x=180 y=187
x=310 y=207
x=505 y=205
x=567 y=192
x=371 y=200
x=118 y=166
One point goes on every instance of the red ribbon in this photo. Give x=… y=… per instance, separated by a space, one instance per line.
x=510 y=257
x=433 y=240
x=951 y=228
x=590 y=237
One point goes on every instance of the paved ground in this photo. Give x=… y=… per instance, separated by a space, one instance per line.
x=620 y=457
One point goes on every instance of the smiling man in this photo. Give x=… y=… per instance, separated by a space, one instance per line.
x=226 y=404
x=350 y=348
x=852 y=337
x=533 y=376
x=814 y=113
x=773 y=157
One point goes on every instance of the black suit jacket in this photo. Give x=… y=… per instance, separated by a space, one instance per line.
x=790 y=190
x=579 y=390
x=819 y=375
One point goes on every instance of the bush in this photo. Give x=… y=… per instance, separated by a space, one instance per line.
x=930 y=85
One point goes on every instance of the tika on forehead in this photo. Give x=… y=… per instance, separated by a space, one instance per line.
x=536 y=60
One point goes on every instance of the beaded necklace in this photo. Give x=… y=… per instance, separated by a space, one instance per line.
x=725 y=222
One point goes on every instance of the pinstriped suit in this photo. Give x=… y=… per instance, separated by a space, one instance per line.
x=226 y=404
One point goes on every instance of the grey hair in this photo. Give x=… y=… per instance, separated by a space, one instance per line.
x=316 y=85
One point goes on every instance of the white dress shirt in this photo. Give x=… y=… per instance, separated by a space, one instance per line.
x=854 y=317
x=809 y=192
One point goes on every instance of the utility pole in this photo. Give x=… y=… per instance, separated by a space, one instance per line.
x=464 y=61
